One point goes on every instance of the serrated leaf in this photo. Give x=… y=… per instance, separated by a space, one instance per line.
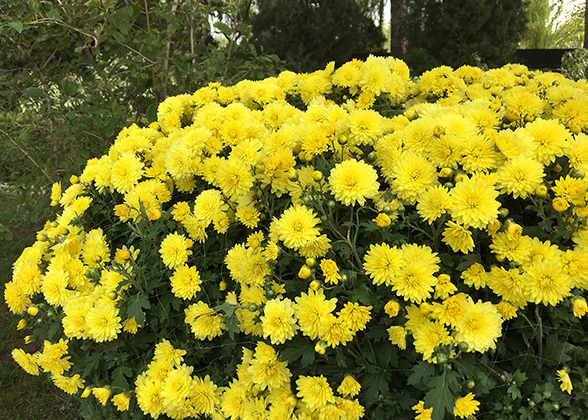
x=118 y=377
x=421 y=373
x=296 y=350
x=136 y=304
x=440 y=397
x=376 y=384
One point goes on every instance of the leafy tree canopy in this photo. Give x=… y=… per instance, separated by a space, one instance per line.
x=308 y=34
x=452 y=32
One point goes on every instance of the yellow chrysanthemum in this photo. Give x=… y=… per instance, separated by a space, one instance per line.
x=473 y=203
x=353 y=181
x=520 y=176
x=311 y=310
x=126 y=172
x=174 y=250
x=103 y=322
x=205 y=323
x=121 y=401
x=433 y=203
x=480 y=325
x=382 y=263
x=25 y=361
x=185 y=282
x=546 y=282
x=278 y=321
x=297 y=227
x=265 y=369
x=465 y=406
x=565 y=382
x=315 y=391
x=458 y=238
x=397 y=336
x=428 y=336
x=330 y=271
x=355 y=315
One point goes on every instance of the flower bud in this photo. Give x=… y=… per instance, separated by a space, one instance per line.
x=33 y=310
x=304 y=272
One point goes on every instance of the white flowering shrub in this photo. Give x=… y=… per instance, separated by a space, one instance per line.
x=344 y=244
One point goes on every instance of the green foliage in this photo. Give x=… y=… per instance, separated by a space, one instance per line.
x=73 y=74
x=309 y=34
x=450 y=32
x=574 y=64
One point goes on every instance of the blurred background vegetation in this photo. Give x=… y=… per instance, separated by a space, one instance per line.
x=73 y=74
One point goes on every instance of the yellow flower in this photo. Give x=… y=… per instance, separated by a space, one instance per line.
x=121 y=401
x=349 y=387
x=234 y=177
x=428 y=336
x=444 y=287
x=355 y=315
x=278 y=321
x=479 y=326
x=149 y=397
x=334 y=331
x=520 y=176
x=296 y=227
x=382 y=263
x=25 y=361
x=311 y=310
x=126 y=172
x=579 y=307
x=506 y=310
x=314 y=391
x=185 y=282
x=397 y=336
x=103 y=322
x=204 y=321
x=474 y=203
x=392 y=308
x=546 y=282
x=353 y=181
x=433 y=203
x=174 y=250
x=68 y=384
x=330 y=271
x=422 y=412
x=565 y=382
x=364 y=126
x=549 y=139
x=560 y=204
x=382 y=220
x=512 y=247
x=458 y=238
x=204 y=396
x=465 y=406
x=265 y=369
x=413 y=175
x=102 y=394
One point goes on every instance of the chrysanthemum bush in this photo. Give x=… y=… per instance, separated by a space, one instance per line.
x=344 y=244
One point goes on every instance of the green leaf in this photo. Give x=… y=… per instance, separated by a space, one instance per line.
x=69 y=88
x=223 y=28
x=421 y=373
x=296 y=350
x=16 y=25
x=136 y=304
x=34 y=92
x=440 y=397
x=376 y=384
x=118 y=377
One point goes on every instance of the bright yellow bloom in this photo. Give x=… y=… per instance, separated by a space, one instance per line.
x=422 y=412
x=330 y=271
x=126 y=172
x=25 y=361
x=204 y=321
x=428 y=336
x=353 y=181
x=121 y=401
x=265 y=369
x=185 y=282
x=465 y=406
x=565 y=382
x=474 y=203
x=174 y=250
x=479 y=326
x=458 y=238
x=278 y=321
x=520 y=176
x=397 y=336
x=204 y=396
x=392 y=308
x=356 y=316
x=349 y=387
x=315 y=391
x=68 y=384
x=103 y=322
x=382 y=263
x=311 y=310
x=334 y=331
x=545 y=282
x=579 y=307
x=296 y=227
x=102 y=394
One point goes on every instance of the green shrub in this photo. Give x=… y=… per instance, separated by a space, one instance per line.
x=341 y=244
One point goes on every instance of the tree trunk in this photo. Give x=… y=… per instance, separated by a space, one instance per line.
x=397 y=37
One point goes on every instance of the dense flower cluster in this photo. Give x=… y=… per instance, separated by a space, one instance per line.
x=284 y=222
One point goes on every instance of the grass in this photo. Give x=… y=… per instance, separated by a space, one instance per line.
x=23 y=396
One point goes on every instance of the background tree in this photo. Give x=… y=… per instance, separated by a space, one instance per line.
x=451 y=32
x=72 y=74
x=308 y=34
